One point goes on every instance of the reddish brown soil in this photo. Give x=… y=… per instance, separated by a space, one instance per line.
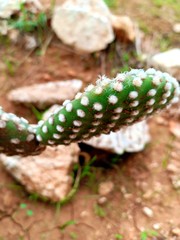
x=141 y=179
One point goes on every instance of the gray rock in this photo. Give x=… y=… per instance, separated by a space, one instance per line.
x=129 y=139
x=84 y=25
x=47 y=174
x=167 y=61
x=46 y=94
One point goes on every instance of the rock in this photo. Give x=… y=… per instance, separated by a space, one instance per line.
x=30 y=42
x=105 y=188
x=4 y=27
x=46 y=94
x=176 y=231
x=175 y=179
x=47 y=174
x=148 y=212
x=124 y=27
x=84 y=25
x=148 y=194
x=129 y=139
x=9 y=7
x=172 y=168
x=175 y=128
x=84 y=214
x=102 y=200
x=167 y=61
x=176 y=28
x=14 y=36
x=157 y=226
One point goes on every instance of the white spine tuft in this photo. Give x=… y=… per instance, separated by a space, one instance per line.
x=118 y=86
x=98 y=90
x=80 y=113
x=78 y=95
x=44 y=129
x=113 y=99
x=39 y=138
x=30 y=137
x=118 y=110
x=69 y=107
x=97 y=106
x=62 y=117
x=137 y=82
x=89 y=88
x=56 y=136
x=134 y=104
x=77 y=123
x=152 y=92
x=59 y=128
x=151 y=102
x=51 y=120
x=15 y=140
x=98 y=115
x=2 y=124
x=84 y=101
x=133 y=94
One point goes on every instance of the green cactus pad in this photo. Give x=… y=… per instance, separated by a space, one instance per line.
x=108 y=106
x=17 y=136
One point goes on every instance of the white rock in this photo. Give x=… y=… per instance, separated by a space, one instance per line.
x=47 y=174
x=30 y=42
x=148 y=212
x=174 y=128
x=124 y=27
x=176 y=231
x=176 y=28
x=157 y=226
x=4 y=27
x=46 y=94
x=129 y=139
x=8 y=7
x=102 y=200
x=167 y=61
x=105 y=188
x=84 y=25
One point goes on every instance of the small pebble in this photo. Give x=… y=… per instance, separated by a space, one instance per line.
x=148 y=212
x=157 y=226
x=84 y=214
x=176 y=27
x=172 y=168
x=102 y=200
x=176 y=231
x=105 y=188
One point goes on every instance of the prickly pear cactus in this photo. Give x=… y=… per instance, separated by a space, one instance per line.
x=109 y=105
x=105 y=107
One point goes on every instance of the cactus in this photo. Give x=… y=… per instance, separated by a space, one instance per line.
x=105 y=107
x=17 y=136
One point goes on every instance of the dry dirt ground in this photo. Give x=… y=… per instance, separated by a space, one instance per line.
x=146 y=180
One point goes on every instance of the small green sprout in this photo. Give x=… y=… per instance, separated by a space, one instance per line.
x=99 y=211
x=148 y=233
x=67 y=224
x=118 y=236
